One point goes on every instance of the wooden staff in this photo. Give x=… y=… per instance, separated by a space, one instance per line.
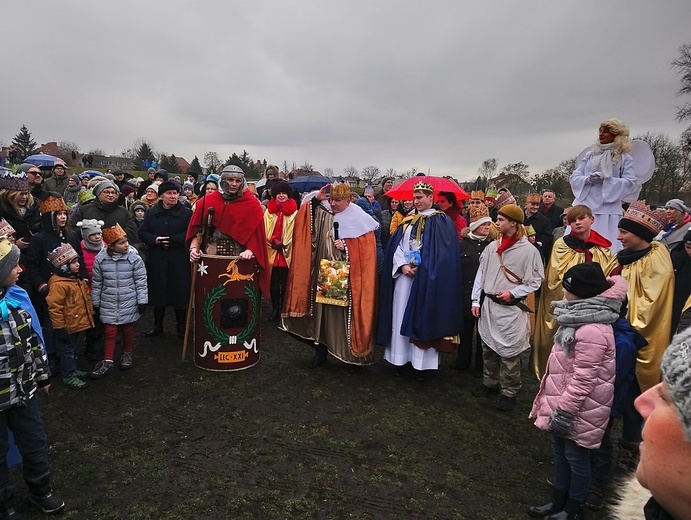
x=201 y=239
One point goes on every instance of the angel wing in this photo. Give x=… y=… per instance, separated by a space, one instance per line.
x=643 y=166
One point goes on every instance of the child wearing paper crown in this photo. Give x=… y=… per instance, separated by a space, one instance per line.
x=120 y=292
x=23 y=371
x=577 y=390
x=71 y=312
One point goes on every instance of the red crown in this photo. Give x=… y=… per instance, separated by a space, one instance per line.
x=641 y=213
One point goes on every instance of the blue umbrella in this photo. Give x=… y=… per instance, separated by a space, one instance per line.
x=92 y=173
x=309 y=182
x=43 y=160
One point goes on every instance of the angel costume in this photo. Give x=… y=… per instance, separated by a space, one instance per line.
x=347 y=332
x=602 y=185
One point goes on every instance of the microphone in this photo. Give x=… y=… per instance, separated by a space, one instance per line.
x=335 y=230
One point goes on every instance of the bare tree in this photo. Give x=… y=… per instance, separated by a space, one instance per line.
x=68 y=147
x=96 y=151
x=682 y=64
x=350 y=171
x=410 y=173
x=328 y=172
x=390 y=172
x=370 y=173
x=486 y=171
x=670 y=176
x=556 y=179
x=212 y=161
x=307 y=166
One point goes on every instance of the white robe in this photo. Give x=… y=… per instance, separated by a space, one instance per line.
x=504 y=328
x=604 y=198
x=400 y=350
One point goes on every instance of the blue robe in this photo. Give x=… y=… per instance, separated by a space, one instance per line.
x=434 y=308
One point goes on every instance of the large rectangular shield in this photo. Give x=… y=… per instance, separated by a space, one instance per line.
x=227 y=304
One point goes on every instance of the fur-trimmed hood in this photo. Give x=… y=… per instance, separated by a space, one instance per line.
x=632 y=499
x=617 y=291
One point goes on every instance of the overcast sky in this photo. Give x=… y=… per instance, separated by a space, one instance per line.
x=436 y=85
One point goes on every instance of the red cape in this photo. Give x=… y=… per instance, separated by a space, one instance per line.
x=242 y=219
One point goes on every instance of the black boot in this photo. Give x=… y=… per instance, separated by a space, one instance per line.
x=159 y=314
x=319 y=356
x=181 y=321
x=275 y=290
x=572 y=511
x=555 y=506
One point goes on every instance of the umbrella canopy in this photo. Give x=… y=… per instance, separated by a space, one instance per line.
x=43 y=160
x=309 y=182
x=92 y=173
x=261 y=182
x=404 y=190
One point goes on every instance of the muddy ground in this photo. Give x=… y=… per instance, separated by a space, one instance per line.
x=167 y=440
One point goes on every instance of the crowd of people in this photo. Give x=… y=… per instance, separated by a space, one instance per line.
x=433 y=271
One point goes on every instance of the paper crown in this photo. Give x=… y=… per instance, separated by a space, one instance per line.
x=15 y=182
x=641 y=213
x=340 y=191
x=62 y=255
x=529 y=230
x=533 y=197
x=478 y=211
x=6 y=228
x=112 y=234
x=52 y=204
x=85 y=196
x=479 y=194
x=424 y=186
x=505 y=198
x=492 y=192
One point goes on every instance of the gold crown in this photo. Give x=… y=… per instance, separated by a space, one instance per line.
x=478 y=211
x=112 y=234
x=62 y=255
x=52 y=204
x=479 y=194
x=340 y=191
x=423 y=186
x=640 y=212
x=533 y=197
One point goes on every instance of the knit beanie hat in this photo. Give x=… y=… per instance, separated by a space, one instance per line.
x=676 y=373
x=90 y=226
x=187 y=185
x=9 y=257
x=94 y=181
x=163 y=174
x=168 y=186
x=677 y=204
x=105 y=185
x=585 y=280
x=127 y=189
x=153 y=186
x=643 y=221
x=369 y=190
x=138 y=204
x=85 y=196
x=512 y=212
x=281 y=186
x=61 y=257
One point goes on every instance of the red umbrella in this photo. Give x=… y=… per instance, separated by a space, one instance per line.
x=404 y=190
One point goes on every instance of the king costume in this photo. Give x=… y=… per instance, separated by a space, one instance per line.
x=346 y=332
x=420 y=314
x=567 y=252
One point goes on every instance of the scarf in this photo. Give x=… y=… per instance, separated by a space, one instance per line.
x=507 y=242
x=603 y=159
x=583 y=246
x=572 y=314
x=477 y=237
x=280 y=209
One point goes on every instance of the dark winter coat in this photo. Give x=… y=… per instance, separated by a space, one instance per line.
x=471 y=250
x=57 y=184
x=110 y=213
x=553 y=215
x=38 y=268
x=682 y=282
x=24 y=226
x=543 y=232
x=168 y=269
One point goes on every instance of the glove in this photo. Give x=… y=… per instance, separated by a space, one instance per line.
x=142 y=308
x=560 y=423
x=595 y=178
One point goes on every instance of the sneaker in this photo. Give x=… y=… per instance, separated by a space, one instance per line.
x=126 y=361
x=103 y=368
x=48 y=502
x=81 y=374
x=484 y=391
x=75 y=382
x=506 y=403
x=9 y=511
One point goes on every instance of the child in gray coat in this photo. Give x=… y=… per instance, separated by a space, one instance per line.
x=119 y=290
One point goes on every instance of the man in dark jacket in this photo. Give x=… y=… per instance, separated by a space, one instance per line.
x=58 y=182
x=146 y=183
x=382 y=198
x=168 y=268
x=542 y=226
x=550 y=210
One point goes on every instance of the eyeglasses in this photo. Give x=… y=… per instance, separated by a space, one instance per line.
x=109 y=192
x=34 y=172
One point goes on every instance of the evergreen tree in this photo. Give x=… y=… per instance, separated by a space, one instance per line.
x=245 y=162
x=195 y=166
x=173 y=163
x=144 y=153
x=24 y=142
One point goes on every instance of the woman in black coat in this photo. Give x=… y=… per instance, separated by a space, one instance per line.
x=168 y=266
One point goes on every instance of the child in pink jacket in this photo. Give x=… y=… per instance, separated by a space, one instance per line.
x=576 y=392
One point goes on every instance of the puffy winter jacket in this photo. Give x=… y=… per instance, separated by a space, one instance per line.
x=582 y=381
x=69 y=304
x=119 y=286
